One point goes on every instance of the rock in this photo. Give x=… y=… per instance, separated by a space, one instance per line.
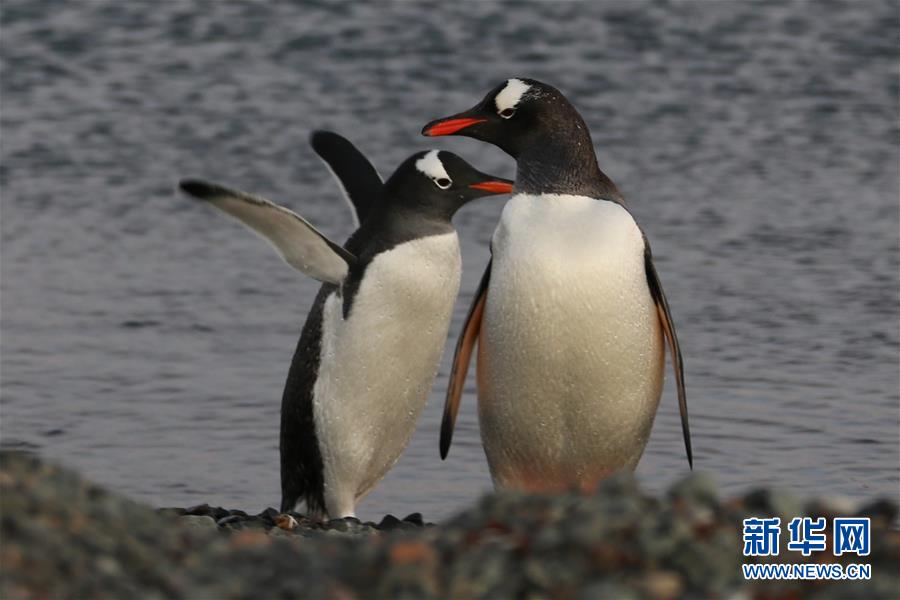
x=662 y=585
x=199 y=509
x=278 y=532
x=269 y=513
x=253 y=522
x=773 y=503
x=696 y=489
x=830 y=507
x=286 y=522
x=250 y=539
x=388 y=523
x=882 y=511
x=198 y=521
x=607 y=589
x=228 y=520
x=338 y=525
x=415 y=519
x=216 y=512
x=410 y=552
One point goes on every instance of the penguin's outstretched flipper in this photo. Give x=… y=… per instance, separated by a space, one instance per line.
x=357 y=177
x=461 y=357
x=665 y=319
x=298 y=242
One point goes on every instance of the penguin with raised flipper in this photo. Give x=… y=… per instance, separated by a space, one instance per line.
x=372 y=342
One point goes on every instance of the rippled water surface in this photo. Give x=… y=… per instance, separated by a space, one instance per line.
x=145 y=339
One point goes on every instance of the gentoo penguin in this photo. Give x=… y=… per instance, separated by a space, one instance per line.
x=370 y=348
x=570 y=315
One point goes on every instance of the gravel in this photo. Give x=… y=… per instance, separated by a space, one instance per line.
x=64 y=537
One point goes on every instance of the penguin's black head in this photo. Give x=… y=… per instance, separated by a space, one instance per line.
x=439 y=183
x=517 y=114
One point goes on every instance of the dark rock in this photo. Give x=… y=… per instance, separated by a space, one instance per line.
x=773 y=503
x=415 y=519
x=270 y=513
x=201 y=521
x=199 y=509
x=229 y=520
x=338 y=525
x=216 y=512
x=829 y=507
x=608 y=589
x=696 y=489
x=388 y=523
x=882 y=510
x=253 y=522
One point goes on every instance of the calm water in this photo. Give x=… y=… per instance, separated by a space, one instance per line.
x=145 y=340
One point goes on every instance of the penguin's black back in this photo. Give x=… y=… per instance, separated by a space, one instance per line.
x=301 y=461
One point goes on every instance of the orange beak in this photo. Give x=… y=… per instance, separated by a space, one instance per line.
x=450 y=126
x=494 y=187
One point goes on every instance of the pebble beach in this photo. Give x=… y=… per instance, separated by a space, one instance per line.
x=65 y=537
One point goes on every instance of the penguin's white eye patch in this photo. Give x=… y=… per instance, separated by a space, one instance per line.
x=431 y=166
x=507 y=113
x=510 y=96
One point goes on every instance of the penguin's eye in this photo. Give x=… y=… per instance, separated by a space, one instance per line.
x=507 y=113
x=443 y=183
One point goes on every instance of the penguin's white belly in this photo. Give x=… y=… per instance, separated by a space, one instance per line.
x=570 y=361
x=378 y=365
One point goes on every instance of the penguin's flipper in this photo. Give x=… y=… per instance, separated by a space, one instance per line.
x=298 y=242
x=461 y=358
x=357 y=177
x=665 y=318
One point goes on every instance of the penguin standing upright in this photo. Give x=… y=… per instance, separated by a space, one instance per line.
x=370 y=348
x=570 y=315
